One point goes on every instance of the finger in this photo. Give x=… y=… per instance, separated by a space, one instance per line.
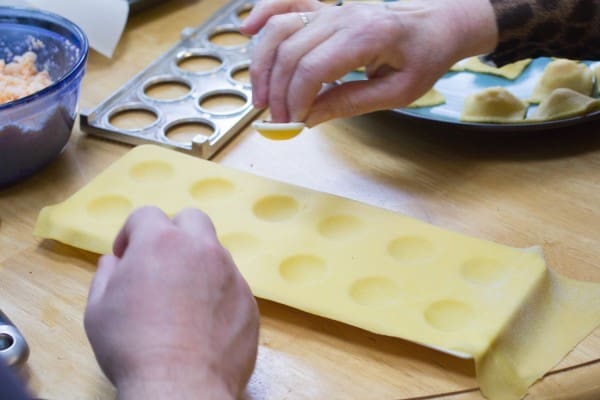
x=278 y=29
x=288 y=56
x=326 y=62
x=141 y=222
x=196 y=223
x=106 y=266
x=263 y=10
x=360 y=97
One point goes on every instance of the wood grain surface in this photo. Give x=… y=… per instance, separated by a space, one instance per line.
x=520 y=190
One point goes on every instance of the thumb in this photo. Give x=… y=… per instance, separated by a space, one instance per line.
x=360 y=97
x=106 y=266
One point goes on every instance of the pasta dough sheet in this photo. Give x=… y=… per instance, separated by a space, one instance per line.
x=431 y=98
x=347 y=261
x=557 y=316
x=508 y=71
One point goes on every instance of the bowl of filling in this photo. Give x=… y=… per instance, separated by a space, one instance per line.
x=42 y=62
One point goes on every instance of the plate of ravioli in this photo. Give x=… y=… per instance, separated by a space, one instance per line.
x=529 y=94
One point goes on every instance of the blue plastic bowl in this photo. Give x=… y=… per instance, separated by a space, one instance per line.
x=35 y=129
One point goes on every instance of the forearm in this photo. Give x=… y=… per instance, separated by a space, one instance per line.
x=474 y=27
x=535 y=28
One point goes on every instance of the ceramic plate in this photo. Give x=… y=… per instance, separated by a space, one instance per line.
x=455 y=86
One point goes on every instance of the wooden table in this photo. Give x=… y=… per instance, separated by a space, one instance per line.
x=520 y=191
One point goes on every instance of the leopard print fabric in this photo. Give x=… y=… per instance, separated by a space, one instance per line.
x=535 y=28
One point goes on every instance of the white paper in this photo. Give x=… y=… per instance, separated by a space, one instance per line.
x=102 y=21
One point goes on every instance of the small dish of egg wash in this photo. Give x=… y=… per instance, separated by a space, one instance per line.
x=278 y=131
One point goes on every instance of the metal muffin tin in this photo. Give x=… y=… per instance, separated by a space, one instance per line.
x=195 y=42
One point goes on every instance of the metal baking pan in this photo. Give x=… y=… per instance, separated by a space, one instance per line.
x=187 y=109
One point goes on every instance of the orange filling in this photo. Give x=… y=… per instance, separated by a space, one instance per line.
x=21 y=78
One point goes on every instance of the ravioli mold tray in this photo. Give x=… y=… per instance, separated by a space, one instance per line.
x=200 y=85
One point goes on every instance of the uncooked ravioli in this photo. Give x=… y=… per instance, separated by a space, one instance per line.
x=563 y=73
x=508 y=71
x=565 y=103
x=431 y=98
x=494 y=104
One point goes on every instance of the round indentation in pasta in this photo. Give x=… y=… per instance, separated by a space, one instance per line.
x=198 y=62
x=133 y=117
x=153 y=171
x=276 y=208
x=483 y=271
x=184 y=131
x=228 y=37
x=375 y=291
x=339 y=227
x=244 y=11
x=110 y=207
x=166 y=89
x=241 y=245
x=303 y=269
x=241 y=74
x=449 y=315
x=223 y=102
x=211 y=189
x=411 y=249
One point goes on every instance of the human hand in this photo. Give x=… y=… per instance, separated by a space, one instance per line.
x=405 y=46
x=169 y=315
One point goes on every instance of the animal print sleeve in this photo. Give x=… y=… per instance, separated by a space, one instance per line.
x=535 y=28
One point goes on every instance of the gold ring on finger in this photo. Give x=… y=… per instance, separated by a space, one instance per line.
x=304 y=18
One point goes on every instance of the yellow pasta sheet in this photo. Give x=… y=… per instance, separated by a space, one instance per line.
x=509 y=71
x=347 y=261
x=432 y=98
